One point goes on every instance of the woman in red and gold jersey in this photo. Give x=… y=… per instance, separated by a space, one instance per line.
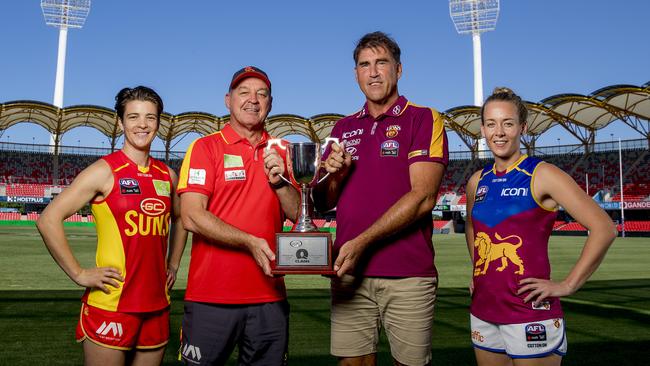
x=125 y=309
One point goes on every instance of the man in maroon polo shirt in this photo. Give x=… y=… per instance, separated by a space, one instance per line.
x=384 y=181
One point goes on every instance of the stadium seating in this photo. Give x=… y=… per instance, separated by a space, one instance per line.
x=9 y=216
x=26 y=190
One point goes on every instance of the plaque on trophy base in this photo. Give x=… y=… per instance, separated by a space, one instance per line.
x=303 y=253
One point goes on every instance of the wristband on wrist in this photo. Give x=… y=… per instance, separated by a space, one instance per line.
x=278 y=185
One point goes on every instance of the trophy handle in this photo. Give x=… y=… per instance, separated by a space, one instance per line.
x=327 y=141
x=278 y=143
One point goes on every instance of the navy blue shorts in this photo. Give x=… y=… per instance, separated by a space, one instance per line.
x=210 y=333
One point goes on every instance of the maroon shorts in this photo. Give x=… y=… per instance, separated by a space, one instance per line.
x=123 y=331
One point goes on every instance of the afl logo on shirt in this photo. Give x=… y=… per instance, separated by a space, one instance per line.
x=129 y=186
x=481 y=193
x=390 y=148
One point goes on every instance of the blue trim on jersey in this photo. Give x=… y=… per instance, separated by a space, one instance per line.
x=499 y=197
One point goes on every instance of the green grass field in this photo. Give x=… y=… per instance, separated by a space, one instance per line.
x=608 y=320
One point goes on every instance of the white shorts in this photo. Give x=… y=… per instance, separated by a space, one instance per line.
x=523 y=340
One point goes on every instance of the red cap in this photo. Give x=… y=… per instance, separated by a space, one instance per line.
x=249 y=72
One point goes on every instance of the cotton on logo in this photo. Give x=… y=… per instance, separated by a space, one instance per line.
x=514 y=192
x=192 y=352
x=115 y=327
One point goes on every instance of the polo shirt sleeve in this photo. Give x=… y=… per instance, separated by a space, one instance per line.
x=198 y=170
x=429 y=139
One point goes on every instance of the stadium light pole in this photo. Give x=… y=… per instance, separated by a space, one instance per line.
x=475 y=17
x=63 y=14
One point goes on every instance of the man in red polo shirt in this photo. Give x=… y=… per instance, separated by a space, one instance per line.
x=233 y=200
x=384 y=183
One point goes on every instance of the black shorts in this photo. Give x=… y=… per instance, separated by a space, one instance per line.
x=210 y=332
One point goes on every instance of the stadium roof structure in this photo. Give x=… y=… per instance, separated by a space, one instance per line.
x=580 y=115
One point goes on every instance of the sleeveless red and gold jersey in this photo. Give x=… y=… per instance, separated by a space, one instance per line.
x=133 y=223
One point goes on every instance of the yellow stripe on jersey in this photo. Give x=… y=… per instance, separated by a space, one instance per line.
x=161 y=170
x=121 y=167
x=110 y=253
x=437 y=147
x=185 y=167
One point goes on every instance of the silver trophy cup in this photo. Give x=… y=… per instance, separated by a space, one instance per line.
x=304 y=250
x=303 y=162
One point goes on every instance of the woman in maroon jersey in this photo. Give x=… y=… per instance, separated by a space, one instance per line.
x=516 y=317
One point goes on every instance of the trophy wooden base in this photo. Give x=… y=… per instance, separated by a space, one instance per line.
x=303 y=253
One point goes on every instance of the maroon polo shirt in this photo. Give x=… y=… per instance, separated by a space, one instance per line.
x=382 y=150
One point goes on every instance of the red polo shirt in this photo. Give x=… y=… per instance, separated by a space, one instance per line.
x=230 y=172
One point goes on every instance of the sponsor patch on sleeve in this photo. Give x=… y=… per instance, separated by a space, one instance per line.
x=163 y=188
x=415 y=153
x=232 y=161
x=196 y=176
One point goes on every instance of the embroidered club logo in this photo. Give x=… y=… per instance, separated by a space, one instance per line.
x=397 y=109
x=392 y=131
x=129 y=186
x=390 y=148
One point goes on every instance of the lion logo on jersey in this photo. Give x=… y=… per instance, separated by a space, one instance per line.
x=489 y=252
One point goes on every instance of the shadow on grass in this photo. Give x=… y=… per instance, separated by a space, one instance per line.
x=38 y=327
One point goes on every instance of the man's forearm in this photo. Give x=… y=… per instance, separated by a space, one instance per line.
x=408 y=209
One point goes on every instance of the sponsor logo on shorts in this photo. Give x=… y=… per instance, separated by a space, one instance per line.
x=196 y=176
x=481 y=193
x=390 y=148
x=192 y=353
x=113 y=328
x=239 y=174
x=535 y=332
x=129 y=186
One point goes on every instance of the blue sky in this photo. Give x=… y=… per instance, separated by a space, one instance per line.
x=188 y=51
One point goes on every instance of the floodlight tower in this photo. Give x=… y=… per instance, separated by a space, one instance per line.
x=475 y=17
x=63 y=14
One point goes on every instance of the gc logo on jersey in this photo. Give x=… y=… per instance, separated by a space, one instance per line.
x=129 y=186
x=390 y=148
x=154 y=219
